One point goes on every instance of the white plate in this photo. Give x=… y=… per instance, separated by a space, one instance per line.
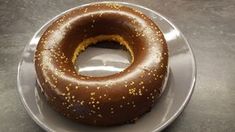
x=178 y=91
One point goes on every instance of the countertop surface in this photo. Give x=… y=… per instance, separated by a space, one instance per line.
x=209 y=26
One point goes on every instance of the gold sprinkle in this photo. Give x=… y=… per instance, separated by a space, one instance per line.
x=81 y=116
x=99 y=115
x=92 y=98
x=82 y=102
x=92 y=111
x=140 y=92
x=67 y=88
x=141 y=83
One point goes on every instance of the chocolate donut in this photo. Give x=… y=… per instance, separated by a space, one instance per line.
x=110 y=100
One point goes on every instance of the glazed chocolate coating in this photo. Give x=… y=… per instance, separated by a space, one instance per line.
x=108 y=100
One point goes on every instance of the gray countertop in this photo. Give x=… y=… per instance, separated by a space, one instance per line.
x=209 y=26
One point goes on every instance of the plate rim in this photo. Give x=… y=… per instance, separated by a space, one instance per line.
x=167 y=122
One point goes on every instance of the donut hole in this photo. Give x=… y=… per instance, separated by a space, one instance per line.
x=103 y=58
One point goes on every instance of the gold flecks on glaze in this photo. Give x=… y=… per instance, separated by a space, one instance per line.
x=140 y=87
x=93 y=93
x=99 y=115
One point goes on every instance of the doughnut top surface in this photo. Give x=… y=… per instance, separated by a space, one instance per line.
x=109 y=100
